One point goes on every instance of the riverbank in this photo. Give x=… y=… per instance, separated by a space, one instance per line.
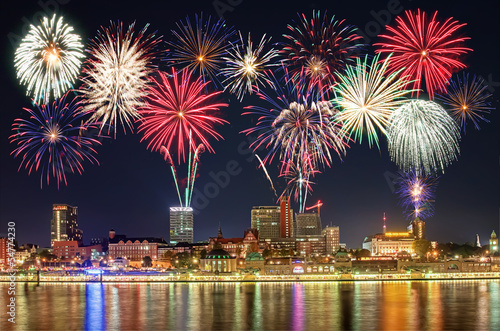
x=247 y=278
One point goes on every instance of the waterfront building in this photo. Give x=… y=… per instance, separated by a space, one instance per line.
x=4 y=256
x=286 y=218
x=134 y=249
x=493 y=243
x=266 y=219
x=308 y=224
x=64 y=224
x=375 y=264
x=71 y=249
x=235 y=246
x=181 y=225
x=254 y=261
x=218 y=261
x=332 y=239
x=389 y=243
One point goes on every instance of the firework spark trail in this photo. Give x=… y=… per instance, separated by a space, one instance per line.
x=296 y=123
x=115 y=76
x=196 y=159
x=417 y=193
x=246 y=65
x=467 y=100
x=267 y=175
x=426 y=49
x=178 y=114
x=168 y=159
x=49 y=59
x=200 y=47
x=298 y=181
x=367 y=96
x=422 y=136
x=52 y=140
x=320 y=47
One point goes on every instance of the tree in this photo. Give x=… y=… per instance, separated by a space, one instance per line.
x=147 y=262
x=183 y=260
x=203 y=253
x=45 y=254
x=239 y=249
x=422 y=247
x=267 y=253
x=252 y=248
x=362 y=253
x=168 y=255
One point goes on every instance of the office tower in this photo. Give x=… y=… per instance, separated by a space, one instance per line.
x=64 y=224
x=266 y=219
x=286 y=218
x=493 y=243
x=181 y=225
x=417 y=228
x=332 y=237
x=308 y=224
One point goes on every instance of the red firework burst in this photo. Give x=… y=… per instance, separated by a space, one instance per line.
x=320 y=47
x=178 y=113
x=426 y=48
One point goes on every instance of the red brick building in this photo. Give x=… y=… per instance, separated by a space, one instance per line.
x=68 y=250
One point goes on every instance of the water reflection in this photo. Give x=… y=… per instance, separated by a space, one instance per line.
x=405 y=305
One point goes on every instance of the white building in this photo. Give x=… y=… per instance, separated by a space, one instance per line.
x=181 y=225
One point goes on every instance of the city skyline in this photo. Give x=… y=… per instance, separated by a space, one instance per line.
x=132 y=189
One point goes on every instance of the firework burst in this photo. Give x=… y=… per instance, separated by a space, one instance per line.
x=367 y=96
x=320 y=47
x=422 y=136
x=298 y=178
x=52 y=141
x=115 y=77
x=246 y=65
x=467 y=100
x=297 y=125
x=48 y=59
x=427 y=50
x=417 y=193
x=201 y=46
x=178 y=113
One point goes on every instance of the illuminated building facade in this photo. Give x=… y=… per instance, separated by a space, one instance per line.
x=4 y=251
x=417 y=227
x=286 y=218
x=310 y=245
x=493 y=243
x=181 y=225
x=218 y=261
x=71 y=249
x=332 y=239
x=390 y=243
x=64 y=224
x=266 y=219
x=308 y=224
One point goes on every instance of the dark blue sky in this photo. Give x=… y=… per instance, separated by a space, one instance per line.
x=132 y=188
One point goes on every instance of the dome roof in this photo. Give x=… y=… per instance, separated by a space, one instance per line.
x=218 y=254
x=254 y=257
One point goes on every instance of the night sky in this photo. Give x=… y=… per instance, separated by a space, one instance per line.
x=132 y=188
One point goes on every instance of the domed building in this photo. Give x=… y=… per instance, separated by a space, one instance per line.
x=218 y=260
x=254 y=260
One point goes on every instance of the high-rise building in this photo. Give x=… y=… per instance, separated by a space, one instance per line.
x=308 y=224
x=64 y=224
x=266 y=219
x=493 y=243
x=286 y=218
x=181 y=225
x=332 y=237
x=417 y=227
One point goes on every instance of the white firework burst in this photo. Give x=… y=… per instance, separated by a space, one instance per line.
x=48 y=59
x=367 y=97
x=246 y=65
x=422 y=136
x=115 y=76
